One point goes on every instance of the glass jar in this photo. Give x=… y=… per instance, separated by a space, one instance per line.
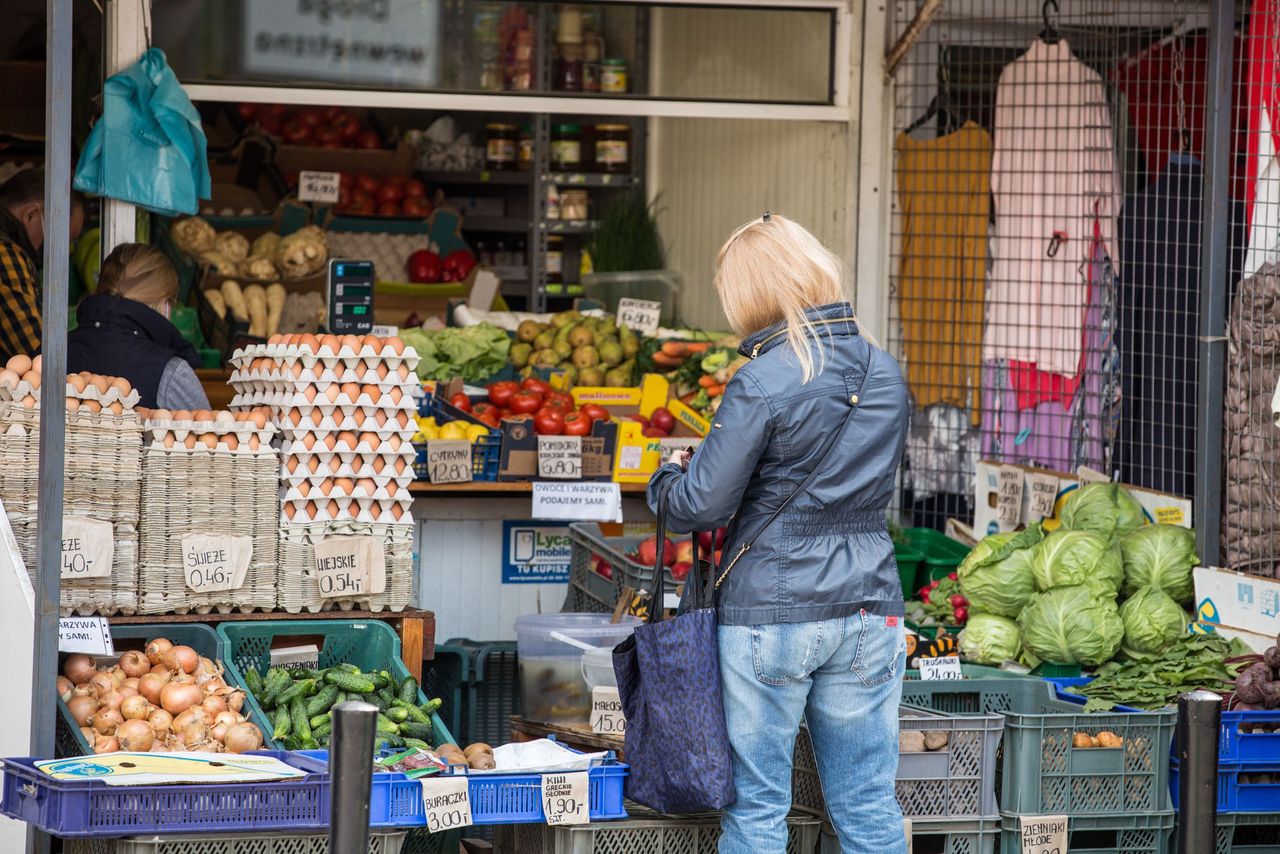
x=613 y=76
x=613 y=148
x=500 y=147
x=555 y=263
x=553 y=202
x=573 y=205
x=525 y=157
x=566 y=147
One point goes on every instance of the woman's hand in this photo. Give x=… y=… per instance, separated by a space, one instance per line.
x=680 y=458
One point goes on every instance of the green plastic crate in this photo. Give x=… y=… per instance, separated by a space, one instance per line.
x=978 y=671
x=941 y=554
x=369 y=645
x=1248 y=833
x=909 y=560
x=420 y=841
x=447 y=676
x=1131 y=833
x=950 y=836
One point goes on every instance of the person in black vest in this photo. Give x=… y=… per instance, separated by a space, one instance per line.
x=124 y=330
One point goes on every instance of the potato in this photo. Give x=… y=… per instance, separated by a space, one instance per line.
x=1083 y=739
x=481 y=761
x=911 y=741
x=1109 y=739
x=935 y=739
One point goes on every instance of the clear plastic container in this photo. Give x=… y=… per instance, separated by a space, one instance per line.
x=551 y=670
x=658 y=285
x=597 y=668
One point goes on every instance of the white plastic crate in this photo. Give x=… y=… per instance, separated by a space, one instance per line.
x=227 y=843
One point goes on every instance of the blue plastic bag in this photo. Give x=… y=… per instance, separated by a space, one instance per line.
x=148 y=148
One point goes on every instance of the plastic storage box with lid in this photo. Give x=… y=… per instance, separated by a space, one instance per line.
x=656 y=285
x=551 y=677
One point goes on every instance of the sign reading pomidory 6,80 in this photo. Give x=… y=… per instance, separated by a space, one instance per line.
x=535 y=554
x=365 y=41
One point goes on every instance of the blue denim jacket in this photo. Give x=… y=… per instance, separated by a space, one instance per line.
x=828 y=554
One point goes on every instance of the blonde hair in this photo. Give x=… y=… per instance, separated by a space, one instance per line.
x=138 y=272
x=771 y=270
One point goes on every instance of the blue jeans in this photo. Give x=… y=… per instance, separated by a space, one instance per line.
x=844 y=676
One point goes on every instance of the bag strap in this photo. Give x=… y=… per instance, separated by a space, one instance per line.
x=804 y=484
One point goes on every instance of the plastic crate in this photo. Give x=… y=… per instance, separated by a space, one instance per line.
x=447 y=677
x=908 y=560
x=956 y=782
x=419 y=841
x=941 y=554
x=370 y=645
x=1248 y=833
x=587 y=539
x=92 y=808
x=486 y=452
x=648 y=832
x=1234 y=793
x=1237 y=746
x=1134 y=833
x=204 y=640
x=956 y=836
x=975 y=671
x=494 y=693
x=233 y=843
x=1062 y=682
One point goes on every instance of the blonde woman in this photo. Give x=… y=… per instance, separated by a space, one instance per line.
x=123 y=330
x=811 y=614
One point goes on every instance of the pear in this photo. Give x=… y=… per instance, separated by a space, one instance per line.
x=591 y=377
x=586 y=356
x=610 y=353
x=544 y=339
x=630 y=344
x=564 y=318
x=620 y=376
x=546 y=358
x=528 y=330
x=564 y=348
x=581 y=336
x=520 y=354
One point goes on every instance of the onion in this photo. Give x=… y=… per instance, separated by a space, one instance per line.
x=182 y=658
x=88 y=734
x=161 y=721
x=193 y=715
x=178 y=698
x=117 y=675
x=131 y=682
x=113 y=700
x=80 y=668
x=134 y=663
x=65 y=687
x=162 y=672
x=84 y=691
x=103 y=683
x=194 y=735
x=242 y=738
x=135 y=708
x=211 y=684
x=214 y=705
x=105 y=721
x=156 y=648
x=228 y=719
x=135 y=735
x=82 y=708
x=127 y=691
x=150 y=685
x=206 y=667
x=219 y=731
x=234 y=698
x=159 y=745
x=105 y=744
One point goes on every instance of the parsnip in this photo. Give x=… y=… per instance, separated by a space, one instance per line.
x=235 y=299
x=275 y=306
x=255 y=296
x=216 y=302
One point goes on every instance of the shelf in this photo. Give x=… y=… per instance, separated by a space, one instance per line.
x=496 y=224
x=520 y=487
x=506 y=177
x=591 y=179
x=559 y=226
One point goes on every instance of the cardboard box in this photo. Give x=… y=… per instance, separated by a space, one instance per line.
x=638 y=455
x=1167 y=509
x=378 y=162
x=1257 y=643
x=1233 y=600
x=520 y=451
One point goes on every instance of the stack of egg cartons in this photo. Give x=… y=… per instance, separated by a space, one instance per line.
x=208 y=527
x=101 y=487
x=345 y=406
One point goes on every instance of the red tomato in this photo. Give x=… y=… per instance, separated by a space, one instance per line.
x=347 y=126
x=653 y=433
x=483 y=407
x=561 y=400
x=398 y=180
x=367 y=183
x=248 y=112
x=295 y=132
x=270 y=122
x=525 y=402
x=390 y=192
x=548 y=422
x=368 y=139
x=325 y=135
x=347 y=181
x=595 y=412
x=500 y=393
x=416 y=207
x=330 y=113
x=461 y=401
x=361 y=204
x=310 y=116
x=535 y=384
x=388 y=209
x=576 y=424
x=491 y=418
x=423 y=266
x=415 y=189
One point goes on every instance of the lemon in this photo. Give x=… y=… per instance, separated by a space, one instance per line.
x=476 y=432
x=454 y=430
x=431 y=433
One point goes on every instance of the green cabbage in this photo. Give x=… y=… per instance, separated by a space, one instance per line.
x=1071 y=625
x=988 y=639
x=1106 y=509
x=1152 y=621
x=1162 y=557
x=1067 y=558
x=996 y=576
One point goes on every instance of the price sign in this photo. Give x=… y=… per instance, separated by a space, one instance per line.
x=577 y=502
x=943 y=667
x=347 y=567
x=90 y=635
x=446 y=802
x=1043 y=834
x=606 y=712
x=641 y=315
x=560 y=457
x=449 y=460
x=1009 y=497
x=88 y=547
x=1044 y=494
x=212 y=563
x=564 y=798
x=318 y=187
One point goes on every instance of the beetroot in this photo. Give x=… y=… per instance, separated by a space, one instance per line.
x=1249 y=685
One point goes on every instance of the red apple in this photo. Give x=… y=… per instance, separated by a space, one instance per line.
x=680 y=571
x=415 y=207
x=415 y=189
x=663 y=419
x=684 y=551
x=361 y=204
x=388 y=209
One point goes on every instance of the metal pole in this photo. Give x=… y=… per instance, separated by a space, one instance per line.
x=351 y=775
x=1199 y=714
x=124 y=23
x=53 y=407
x=1214 y=260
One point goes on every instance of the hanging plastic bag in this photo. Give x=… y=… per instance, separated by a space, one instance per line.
x=148 y=148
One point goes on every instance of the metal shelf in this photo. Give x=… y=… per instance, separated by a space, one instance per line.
x=504 y=177
x=559 y=226
x=496 y=224
x=591 y=179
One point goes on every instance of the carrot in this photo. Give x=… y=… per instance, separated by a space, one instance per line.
x=715 y=390
x=674 y=348
x=707 y=380
x=666 y=360
x=697 y=347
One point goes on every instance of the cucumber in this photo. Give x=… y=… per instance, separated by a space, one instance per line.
x=317 y=721
x=253 y=681
x=298 y=714
x=376 y=700
x=344 y=667
x=298 y=690
x=416 y=742
x=322 y=732
x=408 y=690
x=349 y=682
x=296 y=673
x=323 y=700
x=415 y=714
x=385 y=725
x=432 y=706
x=413 y=729
x=387 y=694
x=392 y=739
x=282 y=724
x=276 y=682
x=397 y=714
x=382 y=679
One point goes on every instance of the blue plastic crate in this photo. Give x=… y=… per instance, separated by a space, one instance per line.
x=1237 y=746
x=91 y=808
x=486 y=452
x=1061 y=682
x=1234 y=793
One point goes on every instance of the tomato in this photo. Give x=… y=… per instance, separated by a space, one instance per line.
x=595 y=412
x=361 y=204
x=390 y=192
x=561 y=400
x=310 y=116
x=491 y=418
x=415 y=189
x=535 y=384
x=639 y=419
x=415 y=207
x=248 y=112
x=368 y=139
x=458 y=264
x=295 y=132
x=346 y=180
x=388 y=209
x=500 y=392
x=270 y=122
x=663 y=419
x=576 y=424
x=461 y=401
x=483 y=407
x=423 y=266
x=653 y=433
x=548 y=422
x=366 y=183
x=526 y=402
x=347 y=126
x=325 y=135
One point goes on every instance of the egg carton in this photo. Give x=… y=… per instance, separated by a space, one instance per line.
x=343 y=488
x=386 y=405
x=112 y=395
x=189 y=437
x=345 y=354
x=295 y=426
x=115 y=594
x=297 y=587
x=399 y=473
x=322 y=509
x=389 y=397
x=317 y=443
x=263 y=374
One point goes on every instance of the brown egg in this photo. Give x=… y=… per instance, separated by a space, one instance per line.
x=32 y=378
x=116 y=408
x=304 y=488
x=36 y=363
x=162 y=415
x=309 y=393
x=351 y=390
x=374 y=511
x=371 y=341
x=169 y=439
x=330 y=341
x=402 y=418
x=358 y=417
x=90 y=405
x=317 y=417
x=309 y=441
x=231 y=441
x=317 y=370
x=202 y=415
x=400 y=465
x=311 y=510
x=190 y=442
x=366 y=486
x=330 y=442
x=19 y=364
x=372 y=391
x=331 y=392
x=380 y=418
x=182 y=415
x=326 y=486
x=396 y=395
x=335 y=464
x=396 y=345
x=209 y=440
x=351 y=341
x=294 y=416
x=382 y=371
x=394 y=442
x=295 y=370
x=334 y=510
x=76 y=381
x=344 y=485
x=360 y=370
x=392 y=489
x=73 y=404
x=274 y=339
x=259 y=419
x=396 y=511
x=289 y=510
x=402 y=371
x=307 y=341
x=122 y=385
x=254 y=444
x=369 y=438
x=291 y=464
x=347 y=438
x=313 y=465
x=378 y=463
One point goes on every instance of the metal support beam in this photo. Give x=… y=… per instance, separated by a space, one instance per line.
x=1199 y=713
x=124 y=26
x=351 y=773
x=1214 y=255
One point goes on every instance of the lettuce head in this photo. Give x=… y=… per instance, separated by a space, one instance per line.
x=1068 y=558
x=1071 y=625
x=1160 y=557
x=1152 y=621
x=1106 y=509
x=996 y=576
x=988 y=639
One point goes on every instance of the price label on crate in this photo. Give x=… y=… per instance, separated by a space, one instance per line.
x=449 y=460
x=565 y=798
x=640 y=315
x=88 y=547
x=606 y=712
x=1009 y=497
x=349 y=567
x=213 y=563
x=1044 y=494
x=1043 y=834
x=319 y=187
x=560 y=457
x=446 y=802
x=942 y=667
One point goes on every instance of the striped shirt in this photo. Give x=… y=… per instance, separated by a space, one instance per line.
x=19 y=302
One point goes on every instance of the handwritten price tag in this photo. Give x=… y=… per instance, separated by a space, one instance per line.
x=88 y=547
x=943 y=667
x=606 y=712
x=564 y=798
x=347 y=567
x=1044 y=494
x=449 y=460
x=560 y=457
x=213 y=563
x=1043 y=834
x=1009 y=497
x=319 y=187
x=446 y=802
x=641 y=315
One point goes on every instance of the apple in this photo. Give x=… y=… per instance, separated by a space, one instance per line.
x=680 y=570
x=684 y=551
x=415 y=207
x=663 y=420
x=647 y=552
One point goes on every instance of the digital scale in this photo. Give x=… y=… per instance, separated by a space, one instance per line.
x=349 y=294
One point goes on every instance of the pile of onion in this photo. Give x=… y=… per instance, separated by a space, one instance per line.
x=166 y=698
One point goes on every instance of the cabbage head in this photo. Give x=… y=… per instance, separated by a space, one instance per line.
x=996 y=576
x=1161 y=557
x=1071 y=625
x=1067 y=558
x=988 y=639
x=1152 y=621
x=1106 y=509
